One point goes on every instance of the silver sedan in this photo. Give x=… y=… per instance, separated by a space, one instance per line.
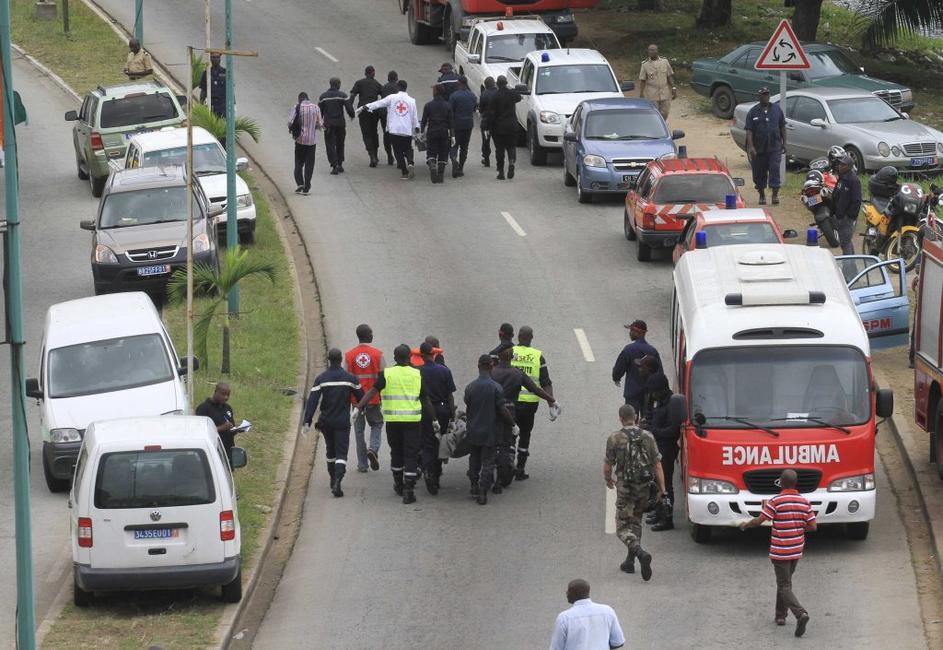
x=869 y=128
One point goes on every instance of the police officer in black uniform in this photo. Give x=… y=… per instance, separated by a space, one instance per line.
x=448 y=80
x=368 y=90
x=655 y=420
x=389 y=88
x=438 y=123
x=217 y=75
x=487 y=95
x=333 y=102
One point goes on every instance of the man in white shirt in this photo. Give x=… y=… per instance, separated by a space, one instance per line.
x=586 y=625
x=402 y=122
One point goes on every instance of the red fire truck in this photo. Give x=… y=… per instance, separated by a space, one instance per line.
x=450 y=20
x=774 y=372
x=928 y=366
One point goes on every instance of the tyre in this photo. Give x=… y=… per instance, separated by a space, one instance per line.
x=538 y=155
x=54 y=484
x=80 y=171
x=723 y=102
x=449 y=35
x=98 y=185
x=568 y=179
x=859 y=159
x=826 y=224
x=419 y=34
x=627 y=226
x=700 y=533
x=80 y=597
x=582 y=196
x=906 y=246
x=231 y=592
x=936 y=439
x=643 y=252
x=858 y=530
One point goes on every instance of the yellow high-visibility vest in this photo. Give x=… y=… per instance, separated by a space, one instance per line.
x=528 y=360
x=400 y=397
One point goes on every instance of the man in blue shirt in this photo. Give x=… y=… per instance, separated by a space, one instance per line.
x=766 y=144
x=586 y=625
x=627 y=365
x=484 y=405
x=439 y=385
x=464 y=103
x=847 y=198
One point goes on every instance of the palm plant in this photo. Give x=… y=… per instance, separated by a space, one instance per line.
x=197 y=67
x=215 y=285
x=216 y=125
x=890 y=17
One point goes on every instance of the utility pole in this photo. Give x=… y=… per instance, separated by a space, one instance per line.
x=189 y=172
x=232 y=226
x=65 y=16
x=139 y=21
x=209 y=86
x=13 y=302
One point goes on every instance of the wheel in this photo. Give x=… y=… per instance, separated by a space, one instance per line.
x=54 y=484
x=80 y=597
x=936 y=440
x=858 y=530
x=231 y=592
x=643 y=252
x=906 y=246
x=98 y=185
x=419 y=34
x=826 y=224
x=581 y=196
x=247 y=238
x=538 y=155
x=627 y=226
x=568 y=179
x=723 y=102
x=700 y=533
x=80 y=171
x=449 y=36
x=859 y=159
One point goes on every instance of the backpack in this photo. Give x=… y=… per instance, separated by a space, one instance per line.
x=295 y=127
x=634 y=463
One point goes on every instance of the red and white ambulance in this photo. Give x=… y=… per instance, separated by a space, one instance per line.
x=774 y=372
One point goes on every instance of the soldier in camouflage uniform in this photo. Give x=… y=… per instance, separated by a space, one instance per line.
x=632 y=458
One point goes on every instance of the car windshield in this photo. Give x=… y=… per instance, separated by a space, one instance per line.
x=625 y=125
x=161 y=478
x=514 y=47
x=693 y=188
x=109 y=365
x=208 y=158
x=859 y=110
x=724 y=234
x=830 y=63
x=137 y=109
x=142 y=207
x=780 y=387
x=556 y=79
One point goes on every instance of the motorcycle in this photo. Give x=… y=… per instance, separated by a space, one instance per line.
x=891 y=229
x=931 y=228
x=816 y=196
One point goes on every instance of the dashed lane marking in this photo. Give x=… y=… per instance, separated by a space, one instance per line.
x=584 y=344
x=516 y=227
x=325 y=54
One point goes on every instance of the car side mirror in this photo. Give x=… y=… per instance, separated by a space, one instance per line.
x=906 y=116
x=819 y=122
x=571 y=136
x=32 y=388
x=677 y=134
x=242 y=164
x=214 y=210
x=739 y=182
x=790 y=234
x=884 y=403
x=474 y=58
x=238 y=457
x=186 y=362
x=522 y=89
x=627 y=86
x=71 y=116
x=677 y=410
x=182 y=100
x=87 y=224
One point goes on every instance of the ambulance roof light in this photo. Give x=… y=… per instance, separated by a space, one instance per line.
x=700 y=239
x=500 y=26
x=812 y=237
x=544 y=57
x=736 y=299
x=509 y=12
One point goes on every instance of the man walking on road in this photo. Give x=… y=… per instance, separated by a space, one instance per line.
x=402 y=123
x=586 y=625
x=484 y=406
x=532 y=362
x=656 y=81
x=484 y=104
x=505 y=335
x=368 y=90
x=847 y=199
x=628 y=364
x=667 y=434
x=333 y=103
x=440 y=387
x=766 y=144
x=502 y=121
x=366 y=363
x=438 y=125
x=448 y=80
x=389 y=88
x=332 y=391
x=304 y=121
x=791 y=516
x=631 y=465
x=464 y=103
x=138 y=64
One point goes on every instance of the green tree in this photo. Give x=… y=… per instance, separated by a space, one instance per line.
x=197 y=67
x=214 y=285
x=889 y=18
x=216 y=125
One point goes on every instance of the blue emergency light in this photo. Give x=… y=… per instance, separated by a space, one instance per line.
x=700 y=240
x=545 y=57
x=812 y=237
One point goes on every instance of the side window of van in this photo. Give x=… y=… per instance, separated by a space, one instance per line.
x=222 y=456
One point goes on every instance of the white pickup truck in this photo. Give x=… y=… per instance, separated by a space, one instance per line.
x=553 y=83
x=495 y=44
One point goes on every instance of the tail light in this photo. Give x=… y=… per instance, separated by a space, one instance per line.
x=84 y=533
x=648 y=219
x=96 y=140
x=227 y=526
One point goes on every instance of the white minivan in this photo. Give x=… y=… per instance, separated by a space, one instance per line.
x=103 y=357
x=153 y=506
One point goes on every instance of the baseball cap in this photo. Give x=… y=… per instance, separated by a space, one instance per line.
x=637 y=325
x=764 y=91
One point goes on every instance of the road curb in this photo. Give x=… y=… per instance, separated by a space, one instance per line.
x=56 y=79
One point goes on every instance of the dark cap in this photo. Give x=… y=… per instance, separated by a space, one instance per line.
x=425 y=348
x=637 y=325
x=764 y=91
x=445 y=67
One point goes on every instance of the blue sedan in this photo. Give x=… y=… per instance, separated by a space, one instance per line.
x=608 y=142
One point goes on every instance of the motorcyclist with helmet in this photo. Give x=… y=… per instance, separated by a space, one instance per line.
x=847 y=198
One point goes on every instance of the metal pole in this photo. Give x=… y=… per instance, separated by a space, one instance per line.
x=190 y=240
x=65 y=16
x=209 y=86
x=782 y=105
x=232 y=226
x=139 y=21
x=25 y=612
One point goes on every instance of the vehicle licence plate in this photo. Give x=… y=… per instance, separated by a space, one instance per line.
x=157 y=533
x=628 y=177
x=923 y=162
x=160 y=269
x=813 y=200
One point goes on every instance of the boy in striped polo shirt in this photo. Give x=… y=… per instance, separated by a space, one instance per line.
x=791 y=516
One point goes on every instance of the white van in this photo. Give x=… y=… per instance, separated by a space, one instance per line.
x=103 y=357
x=153 y=506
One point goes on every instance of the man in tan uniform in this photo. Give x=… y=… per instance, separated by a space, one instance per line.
x=657 y=81
x=139 y=63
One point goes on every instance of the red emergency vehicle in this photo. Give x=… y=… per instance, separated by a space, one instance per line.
x=667 y=193
x=729 y=227
x=774 y=372
x=450 y=20
x=928 y=364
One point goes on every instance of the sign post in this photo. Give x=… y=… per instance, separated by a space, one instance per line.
x=783 y=52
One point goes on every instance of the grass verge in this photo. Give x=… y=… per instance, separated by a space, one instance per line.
x=265 y=362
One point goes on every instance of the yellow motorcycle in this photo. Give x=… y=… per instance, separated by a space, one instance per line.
x=891 y=225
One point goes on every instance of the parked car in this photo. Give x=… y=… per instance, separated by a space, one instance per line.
x=169 y=147
x=153 y=506
x=102 y=357
x=728 y=227
x=667 y=193
x=141 y=230
x=110 y=116
x=608 y=142
x=873 y=132
x=732 y=79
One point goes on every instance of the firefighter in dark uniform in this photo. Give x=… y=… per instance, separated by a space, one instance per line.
x=389 y=88
x=333 y=103
x=655 y=420
x=439 y=385
x=438 y=123
x=448 y=80
x=368 y=90
x=487 y=94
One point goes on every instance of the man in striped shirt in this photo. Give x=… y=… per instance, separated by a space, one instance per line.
x=791 y=516
x=309 y=120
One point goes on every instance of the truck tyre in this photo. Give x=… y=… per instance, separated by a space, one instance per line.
x=80 y=597
x=568 y=179
x=858 y=530
x=449 y=35
x=700 y=533
x=54 y=484
x=723 y=102
x=419 y=34
x=538 y=155
x=231 y=592
x=643 y=253
x=582 y=196
x=936 y=439
x=627 y=226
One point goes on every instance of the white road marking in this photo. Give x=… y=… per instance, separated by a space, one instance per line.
x=610 y=511
x=516 y=227
x=584 y=344
x=325 y=54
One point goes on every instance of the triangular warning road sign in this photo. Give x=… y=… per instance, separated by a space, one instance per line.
x=783 y=51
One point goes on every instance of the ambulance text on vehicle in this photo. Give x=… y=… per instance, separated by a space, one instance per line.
x=774 y=372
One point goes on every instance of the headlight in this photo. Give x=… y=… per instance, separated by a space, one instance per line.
x=201 y=243
x=896 y=151
x=906 y=96
x=910 y=208
x=939 y=147
x=243 y=200
x=549 y=117
x=565 y=18
x=710 y=486
x=65 y=435
x=852 y=483
x=594 y=161
x=104 y=255
x=884 y=149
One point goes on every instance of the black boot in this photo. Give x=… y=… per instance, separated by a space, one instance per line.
x=398 y=483
x=455 y=173
x=500 y=174
x=442 y=166
x=483 y=497
x=485 y=162
x=762 y=198
x=666 y=517
x=775 y=196
x=336 y=487
x=629 y=565
x=474 y=490
x=389 y=159
x=461 y=168
x=330 y=472
x=511 y=170
x=409 y=493
x=432 y=171
x=373 y=159
x=519 y=473
x=431 y=486
x=645 y=561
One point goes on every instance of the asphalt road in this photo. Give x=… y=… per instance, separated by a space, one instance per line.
x=55 y=268
x=414 y=259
